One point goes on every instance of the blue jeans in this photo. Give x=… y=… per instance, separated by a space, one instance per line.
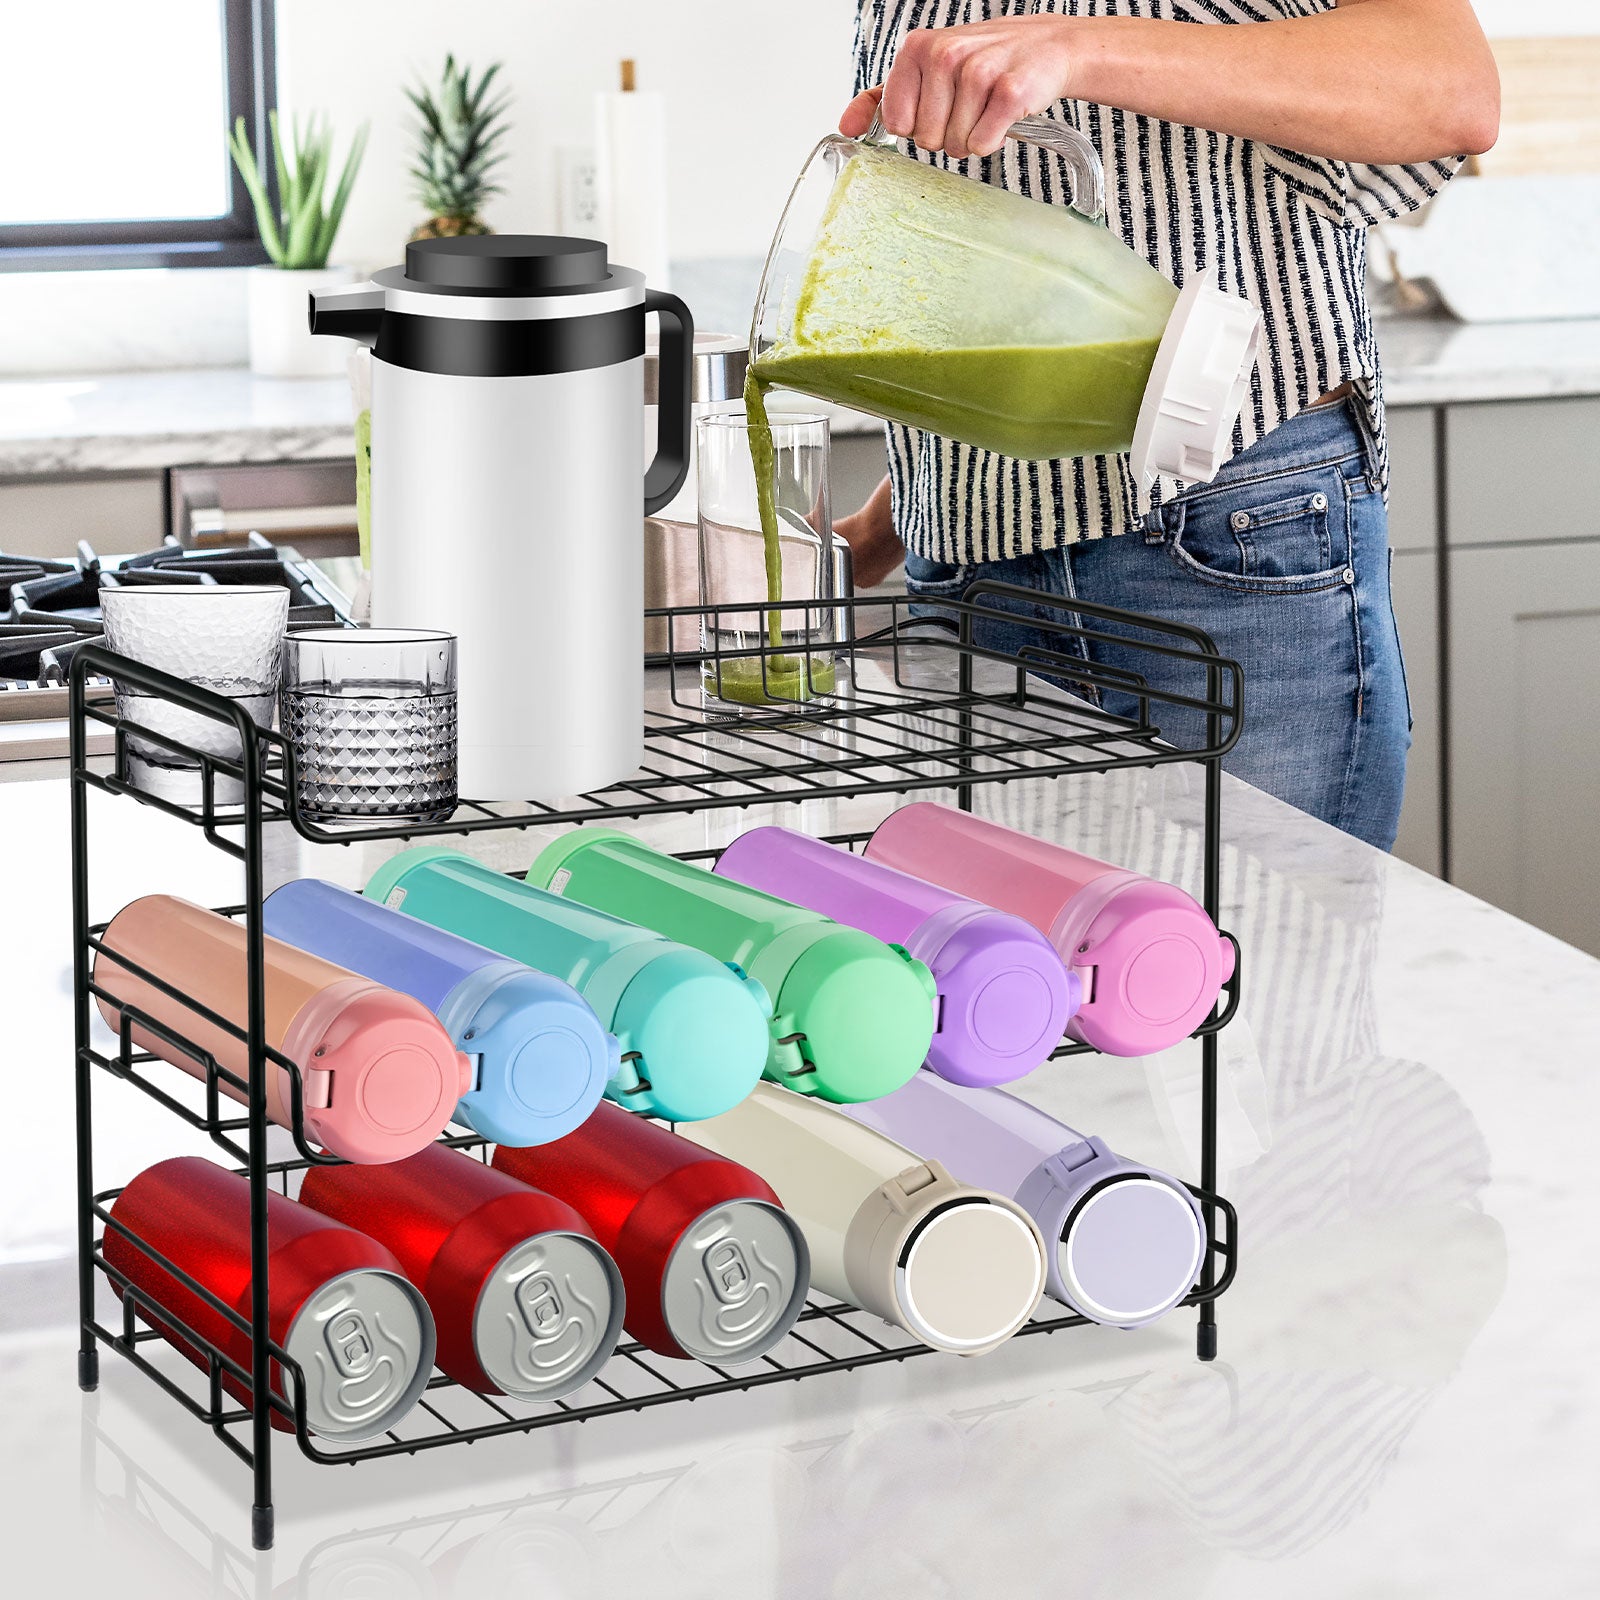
x=1283 y=560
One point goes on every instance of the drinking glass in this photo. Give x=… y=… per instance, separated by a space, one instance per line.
x=370 y=714
x=223 y=637
x=756 y=655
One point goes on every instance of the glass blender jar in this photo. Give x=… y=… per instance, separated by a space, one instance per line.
x=931 y=299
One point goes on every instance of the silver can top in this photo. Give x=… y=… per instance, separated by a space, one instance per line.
x=365 y=1342
x=548 y=1316
x=736 y=1281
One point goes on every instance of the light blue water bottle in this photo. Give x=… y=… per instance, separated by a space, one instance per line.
x=542 y=1058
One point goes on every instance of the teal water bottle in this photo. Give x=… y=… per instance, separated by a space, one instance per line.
x=693 y=1030
x=852 y=1017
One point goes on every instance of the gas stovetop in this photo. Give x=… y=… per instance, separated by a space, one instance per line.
x=49 y=609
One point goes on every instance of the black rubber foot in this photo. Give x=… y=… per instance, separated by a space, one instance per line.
x=261 y=1527
x=1205 y=1341
x=88 y=1370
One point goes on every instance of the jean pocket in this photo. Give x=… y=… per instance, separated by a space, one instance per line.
x=936 y=580
x=1285 y=535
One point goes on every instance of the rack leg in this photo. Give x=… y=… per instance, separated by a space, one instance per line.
x=88 y=1349
x=261 y=1527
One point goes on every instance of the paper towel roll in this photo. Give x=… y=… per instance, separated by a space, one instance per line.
x=631 y=173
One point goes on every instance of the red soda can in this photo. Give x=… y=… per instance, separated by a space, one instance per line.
x=715 y=1269
x=338 y=1302
x=525 y=1300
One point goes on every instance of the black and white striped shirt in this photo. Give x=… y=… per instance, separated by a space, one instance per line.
x=1286 y=231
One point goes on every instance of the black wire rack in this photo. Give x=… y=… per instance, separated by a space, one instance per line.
x=912 y=703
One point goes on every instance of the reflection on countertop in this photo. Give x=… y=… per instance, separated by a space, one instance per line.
x=1406 y=1401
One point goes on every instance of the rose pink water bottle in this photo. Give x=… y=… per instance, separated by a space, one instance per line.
x=379 y=1075
x=1150 y=960
x=1004 y=996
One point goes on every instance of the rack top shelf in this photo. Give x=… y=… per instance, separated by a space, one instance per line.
x=919 y=704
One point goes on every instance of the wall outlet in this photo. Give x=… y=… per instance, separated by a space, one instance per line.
x=577 y=189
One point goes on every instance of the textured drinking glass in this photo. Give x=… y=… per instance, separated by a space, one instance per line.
x=370 y=714
x=226 y=638
x=739 y=569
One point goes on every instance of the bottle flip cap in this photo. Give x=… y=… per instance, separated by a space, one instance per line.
x=1004 y=995
x=365 y=1342
x=1151 y=962
x=1196 y=386
x=1129 y=1241
x=543 y=1059
x=853 y=1017
x=381 y=1078
x=960 y=1268
x=695 y=1032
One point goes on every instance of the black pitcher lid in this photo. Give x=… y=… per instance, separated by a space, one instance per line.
x=507 y=263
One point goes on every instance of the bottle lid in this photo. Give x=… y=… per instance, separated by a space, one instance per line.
x=543 y=1059
x=699 y=1031
x=1128 y=1241
x=548 y=1316
x=1150 y=960
x=735 y=1281
x=507 y=263
x=1004 y=995
x=381 y=1076
x=1197 y=385
x=958 y=1267
x=365 y=1343
x=864 y=1010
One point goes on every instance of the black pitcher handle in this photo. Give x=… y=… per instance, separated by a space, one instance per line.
x=674 y=388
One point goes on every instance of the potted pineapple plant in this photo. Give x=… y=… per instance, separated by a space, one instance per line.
x=458 y=130
x=297 y=226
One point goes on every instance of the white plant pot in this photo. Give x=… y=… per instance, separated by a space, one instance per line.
x=281 y=345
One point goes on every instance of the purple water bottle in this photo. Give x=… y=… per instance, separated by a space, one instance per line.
x=1004 y=995
x=1128 y=1239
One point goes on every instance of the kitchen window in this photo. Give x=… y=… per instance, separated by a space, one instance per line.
x=113 y=126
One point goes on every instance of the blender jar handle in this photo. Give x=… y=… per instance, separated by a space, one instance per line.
x=674 y=388
x=1084 y=171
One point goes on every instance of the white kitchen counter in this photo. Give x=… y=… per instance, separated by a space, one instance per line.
x=143 y=421
x=1407 y=1401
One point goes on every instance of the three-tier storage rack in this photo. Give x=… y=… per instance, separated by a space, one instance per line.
x=918 y=705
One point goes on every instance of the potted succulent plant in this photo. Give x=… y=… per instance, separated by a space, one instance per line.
x=298 y=235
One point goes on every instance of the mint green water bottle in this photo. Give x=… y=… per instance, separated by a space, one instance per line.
x=852 y=1017
x=693 y=1032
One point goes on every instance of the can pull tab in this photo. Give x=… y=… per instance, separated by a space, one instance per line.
x=317 y=1088
x=930 y=986
x=466 y=1073
x=1075 y=1158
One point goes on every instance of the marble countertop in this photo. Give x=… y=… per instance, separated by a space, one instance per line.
x=1406 y=1396
x=140 y=422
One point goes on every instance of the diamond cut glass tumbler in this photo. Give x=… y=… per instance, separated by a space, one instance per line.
x=370 y=715
x=224 y=637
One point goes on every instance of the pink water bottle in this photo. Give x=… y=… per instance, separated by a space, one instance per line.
x=1004 y=996
x=1150 y=960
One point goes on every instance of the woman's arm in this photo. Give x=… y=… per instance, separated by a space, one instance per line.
x=1374 y=80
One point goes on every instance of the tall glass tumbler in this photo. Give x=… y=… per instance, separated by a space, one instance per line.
x=370 y=715
x=765 y=538
x=224 y=637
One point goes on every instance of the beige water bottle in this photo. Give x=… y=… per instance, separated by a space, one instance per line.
x=960 y=1268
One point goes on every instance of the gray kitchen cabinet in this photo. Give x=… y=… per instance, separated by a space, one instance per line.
x=1525 y=732
x=1414 y=576
x=1515 y=469
x=42 y=516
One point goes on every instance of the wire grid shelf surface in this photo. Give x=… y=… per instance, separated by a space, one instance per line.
x=828 y=1337
x=916 y=703
x=895 y=722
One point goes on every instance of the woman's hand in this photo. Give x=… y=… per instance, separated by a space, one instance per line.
x=958 y=89
x=875 y=548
